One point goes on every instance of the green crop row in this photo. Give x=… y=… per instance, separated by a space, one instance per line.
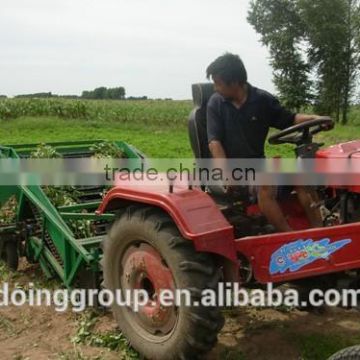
x=158 y=112
x=141 y=112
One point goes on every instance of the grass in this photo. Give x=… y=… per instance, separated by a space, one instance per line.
x=310 y=346
x=76 y=354
x=316 y=346
x=229 y=354
x=157 y=128
x=156 y=141
x=354 y=115
x=5 y=274
x=7 y=326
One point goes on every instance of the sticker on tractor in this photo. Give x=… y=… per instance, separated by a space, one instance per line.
x=295 y=255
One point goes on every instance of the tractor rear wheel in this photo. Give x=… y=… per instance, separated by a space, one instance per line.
x=144 y=250
x=10 y=255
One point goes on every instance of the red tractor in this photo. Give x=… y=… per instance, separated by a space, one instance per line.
x=183 y=238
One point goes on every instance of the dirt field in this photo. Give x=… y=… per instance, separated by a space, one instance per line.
x=42 y=333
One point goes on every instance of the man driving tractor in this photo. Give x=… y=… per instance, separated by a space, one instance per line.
x=239 y=116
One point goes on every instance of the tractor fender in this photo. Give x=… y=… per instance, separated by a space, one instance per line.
x=194 y=212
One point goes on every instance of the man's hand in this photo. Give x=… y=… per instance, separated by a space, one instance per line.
x=301 y=118
x=328 y=126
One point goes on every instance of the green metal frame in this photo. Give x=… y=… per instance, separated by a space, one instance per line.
x=73 y=255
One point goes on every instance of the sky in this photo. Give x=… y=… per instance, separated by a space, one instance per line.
x=156 y=48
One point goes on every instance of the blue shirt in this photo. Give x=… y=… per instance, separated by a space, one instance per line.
x=243 y=132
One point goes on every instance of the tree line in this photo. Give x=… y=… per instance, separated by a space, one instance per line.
x=87 y=95
x=314 y=51
x=100 y=93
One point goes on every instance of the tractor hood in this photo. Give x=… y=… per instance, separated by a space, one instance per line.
x=347 y=150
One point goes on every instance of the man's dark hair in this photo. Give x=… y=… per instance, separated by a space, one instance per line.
x=229 y=68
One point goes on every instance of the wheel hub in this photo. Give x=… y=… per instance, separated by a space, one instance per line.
x=143 y=268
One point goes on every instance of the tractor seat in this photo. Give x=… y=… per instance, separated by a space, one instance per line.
x=201 y=94
x=197 y=127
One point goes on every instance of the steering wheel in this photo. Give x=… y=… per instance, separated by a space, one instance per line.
x=302 y=133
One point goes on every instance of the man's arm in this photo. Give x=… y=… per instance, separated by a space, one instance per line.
x=219 y=157
x=301 y=118
x=217 y=150
x=282 y=118
x=215 y=131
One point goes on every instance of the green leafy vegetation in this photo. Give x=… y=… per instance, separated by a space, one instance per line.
x=112 y=340
x=161 y=112
x=62 y=195
x=44 y=151
x=107 y=150
x=77 y=354
x=7 y=212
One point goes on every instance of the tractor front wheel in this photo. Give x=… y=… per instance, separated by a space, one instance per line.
x=350 y=353
x=144 y=250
